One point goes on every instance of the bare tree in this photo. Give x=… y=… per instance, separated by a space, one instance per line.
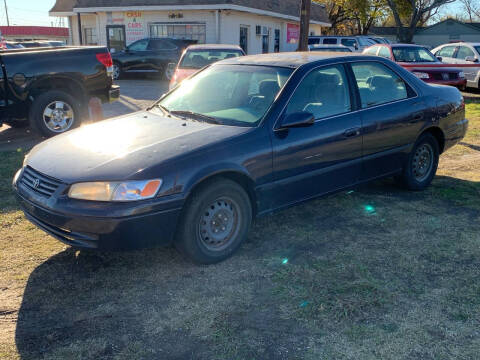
x=472 y=8
x=419 y=12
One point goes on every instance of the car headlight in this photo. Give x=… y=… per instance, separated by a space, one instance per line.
x=421 y=75
x=461 y=74
x=115 y=190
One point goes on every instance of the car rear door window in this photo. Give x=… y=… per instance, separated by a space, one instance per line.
x=140 y=45
x=161 y=44
x=349 y=42
x=463 y=52
x=377 y=84
x=323 y=92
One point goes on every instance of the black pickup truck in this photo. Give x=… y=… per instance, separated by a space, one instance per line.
x=50 y=88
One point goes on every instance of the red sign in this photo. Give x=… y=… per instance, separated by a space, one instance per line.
x=293 y=33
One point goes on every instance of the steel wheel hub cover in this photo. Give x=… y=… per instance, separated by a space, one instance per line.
x=218 y=224
x=422 y=162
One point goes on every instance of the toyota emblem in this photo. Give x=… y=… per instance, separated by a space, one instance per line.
x=36 y=182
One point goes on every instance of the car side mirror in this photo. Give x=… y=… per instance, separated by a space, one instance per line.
x=471 y=59
x=298 y=119
x=439 y=58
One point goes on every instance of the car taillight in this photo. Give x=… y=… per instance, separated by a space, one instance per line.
x=105 y=59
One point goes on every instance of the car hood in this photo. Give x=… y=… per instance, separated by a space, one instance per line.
x=123 y=147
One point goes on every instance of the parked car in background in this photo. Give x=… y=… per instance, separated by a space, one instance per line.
x=34 y=44
x=195 y=57
x=150 y=55
x=50 y=88
x=355 y=43
x=464 y=55
x=12 y=45
x=421 y=62
x=244 y=137
x=380 y=40
x=326 y=48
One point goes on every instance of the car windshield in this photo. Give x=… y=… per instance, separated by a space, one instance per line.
x=413 y=54
x=197 y=59
x=237 y=95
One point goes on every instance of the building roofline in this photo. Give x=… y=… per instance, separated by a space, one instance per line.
x=192 y=7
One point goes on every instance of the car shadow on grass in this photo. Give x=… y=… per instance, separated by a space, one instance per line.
x=377 y=272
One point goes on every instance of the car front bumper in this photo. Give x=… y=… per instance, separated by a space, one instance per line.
x=86 y=231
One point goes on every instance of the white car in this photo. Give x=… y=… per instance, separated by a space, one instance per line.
x=462 y=53
x=356 y=43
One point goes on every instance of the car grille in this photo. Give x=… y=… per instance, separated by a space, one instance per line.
x=445 y=76
x=39 y=183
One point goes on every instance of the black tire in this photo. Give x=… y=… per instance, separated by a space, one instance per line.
x=17 y=124
x=40 y=104
x=212 y=201
x=415 y=176
x=117 y=71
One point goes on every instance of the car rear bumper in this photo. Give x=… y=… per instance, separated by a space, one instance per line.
x=104 y=233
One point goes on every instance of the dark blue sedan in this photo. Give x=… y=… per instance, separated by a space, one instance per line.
x=240 y=139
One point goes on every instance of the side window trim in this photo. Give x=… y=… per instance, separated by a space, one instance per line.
x=357 y=91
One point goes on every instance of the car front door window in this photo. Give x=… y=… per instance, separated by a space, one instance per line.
x=323 y=92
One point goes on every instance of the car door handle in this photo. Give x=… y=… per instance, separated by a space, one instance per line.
x=351 y=132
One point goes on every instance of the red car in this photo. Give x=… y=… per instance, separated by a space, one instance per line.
x=421 y=62
x=196 y=57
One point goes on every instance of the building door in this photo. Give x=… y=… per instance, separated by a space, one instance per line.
x=244 y=38
x=277 y=41
x=116 y=37
x=265 y=43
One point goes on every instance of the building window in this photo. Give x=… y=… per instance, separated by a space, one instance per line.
x=90 y=36
x=179 y=31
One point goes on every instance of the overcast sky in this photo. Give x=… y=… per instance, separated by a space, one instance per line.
x=35 y=12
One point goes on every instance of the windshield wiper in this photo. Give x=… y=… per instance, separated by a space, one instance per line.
x=196 y=116
x=164 y=109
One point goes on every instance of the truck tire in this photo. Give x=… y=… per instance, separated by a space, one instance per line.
x=54 y=112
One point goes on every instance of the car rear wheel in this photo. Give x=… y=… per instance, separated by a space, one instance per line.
x=54 y=112
x=215 y=222
x=422 y=163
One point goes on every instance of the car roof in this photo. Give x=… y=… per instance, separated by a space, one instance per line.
x=463 y=43
x=404 y=45
x=291 y=59
x=328 y=46
x=213 y=46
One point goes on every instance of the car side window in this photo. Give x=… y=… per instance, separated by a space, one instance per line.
x=384 y=52
x=323 y=92
x=161 y=44
x=140 y=45
x=446 y=51
x=463 y=52
x=330 y=41
x=378 y=84
x=349 y=42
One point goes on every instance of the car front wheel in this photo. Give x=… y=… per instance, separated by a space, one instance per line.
x=422 y=163
x=215 y=222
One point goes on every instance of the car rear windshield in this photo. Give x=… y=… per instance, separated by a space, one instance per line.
x=236 y=95
x=197 y=59
x=412 y=54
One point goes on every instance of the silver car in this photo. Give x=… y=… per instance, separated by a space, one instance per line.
x=462 y=53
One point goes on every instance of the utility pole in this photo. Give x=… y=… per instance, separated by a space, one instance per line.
x=6 y=12
x=304 y=24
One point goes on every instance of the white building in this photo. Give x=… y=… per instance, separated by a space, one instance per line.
x=256 y=25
